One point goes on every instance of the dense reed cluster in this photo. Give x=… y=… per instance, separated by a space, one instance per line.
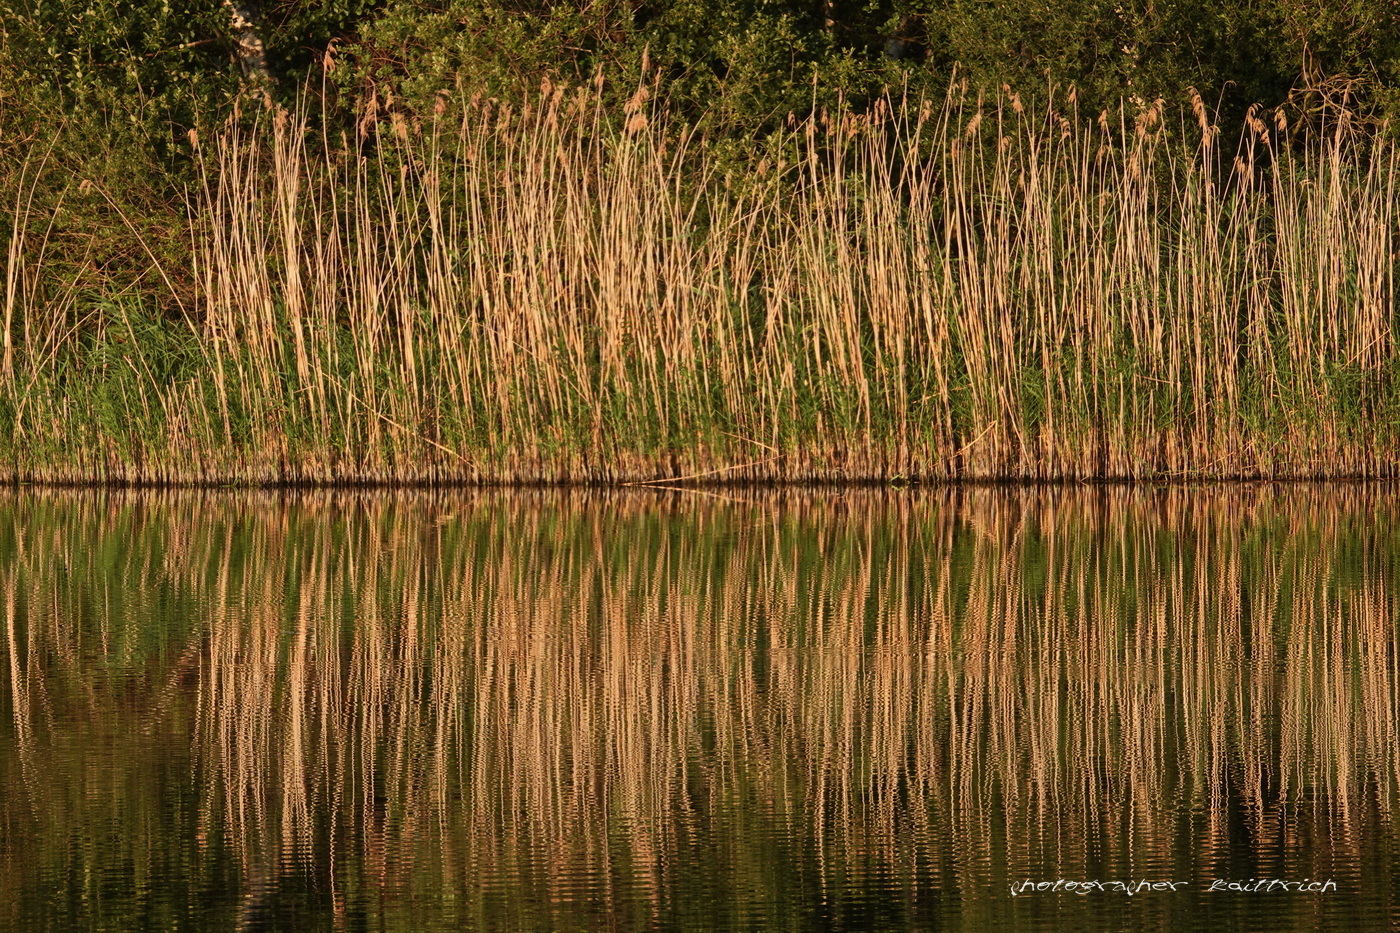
x=544 y=706
x=971 y=288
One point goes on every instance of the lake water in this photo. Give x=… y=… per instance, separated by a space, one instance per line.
x=646 y=709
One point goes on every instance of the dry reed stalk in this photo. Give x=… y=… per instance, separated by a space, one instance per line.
x=978 y=288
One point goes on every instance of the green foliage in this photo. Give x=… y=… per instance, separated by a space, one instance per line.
x=735 y=65
x=1234 y=54
x=742 y=65
x=136 y=62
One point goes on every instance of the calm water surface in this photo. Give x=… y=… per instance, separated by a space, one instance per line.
x=656 y=710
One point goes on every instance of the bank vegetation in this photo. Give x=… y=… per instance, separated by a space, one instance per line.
x=971 y=287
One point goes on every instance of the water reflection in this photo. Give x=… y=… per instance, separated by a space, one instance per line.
x=631 y=710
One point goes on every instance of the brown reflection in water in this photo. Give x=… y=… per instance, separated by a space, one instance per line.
x=565 y=695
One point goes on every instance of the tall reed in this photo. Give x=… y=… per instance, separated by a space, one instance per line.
x=973 y=288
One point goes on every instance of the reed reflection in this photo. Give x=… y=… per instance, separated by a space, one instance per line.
x=569 y=709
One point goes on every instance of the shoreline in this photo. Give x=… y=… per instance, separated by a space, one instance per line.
x=834 y=484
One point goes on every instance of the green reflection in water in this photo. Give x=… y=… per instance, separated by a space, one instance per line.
x=808 y=710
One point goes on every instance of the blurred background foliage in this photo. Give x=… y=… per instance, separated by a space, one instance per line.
x=159 y=67
x=740 y=63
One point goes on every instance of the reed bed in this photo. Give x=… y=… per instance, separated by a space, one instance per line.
x=530 y=710
x=973 y=288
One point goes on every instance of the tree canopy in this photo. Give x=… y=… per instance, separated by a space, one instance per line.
x=742 y=62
